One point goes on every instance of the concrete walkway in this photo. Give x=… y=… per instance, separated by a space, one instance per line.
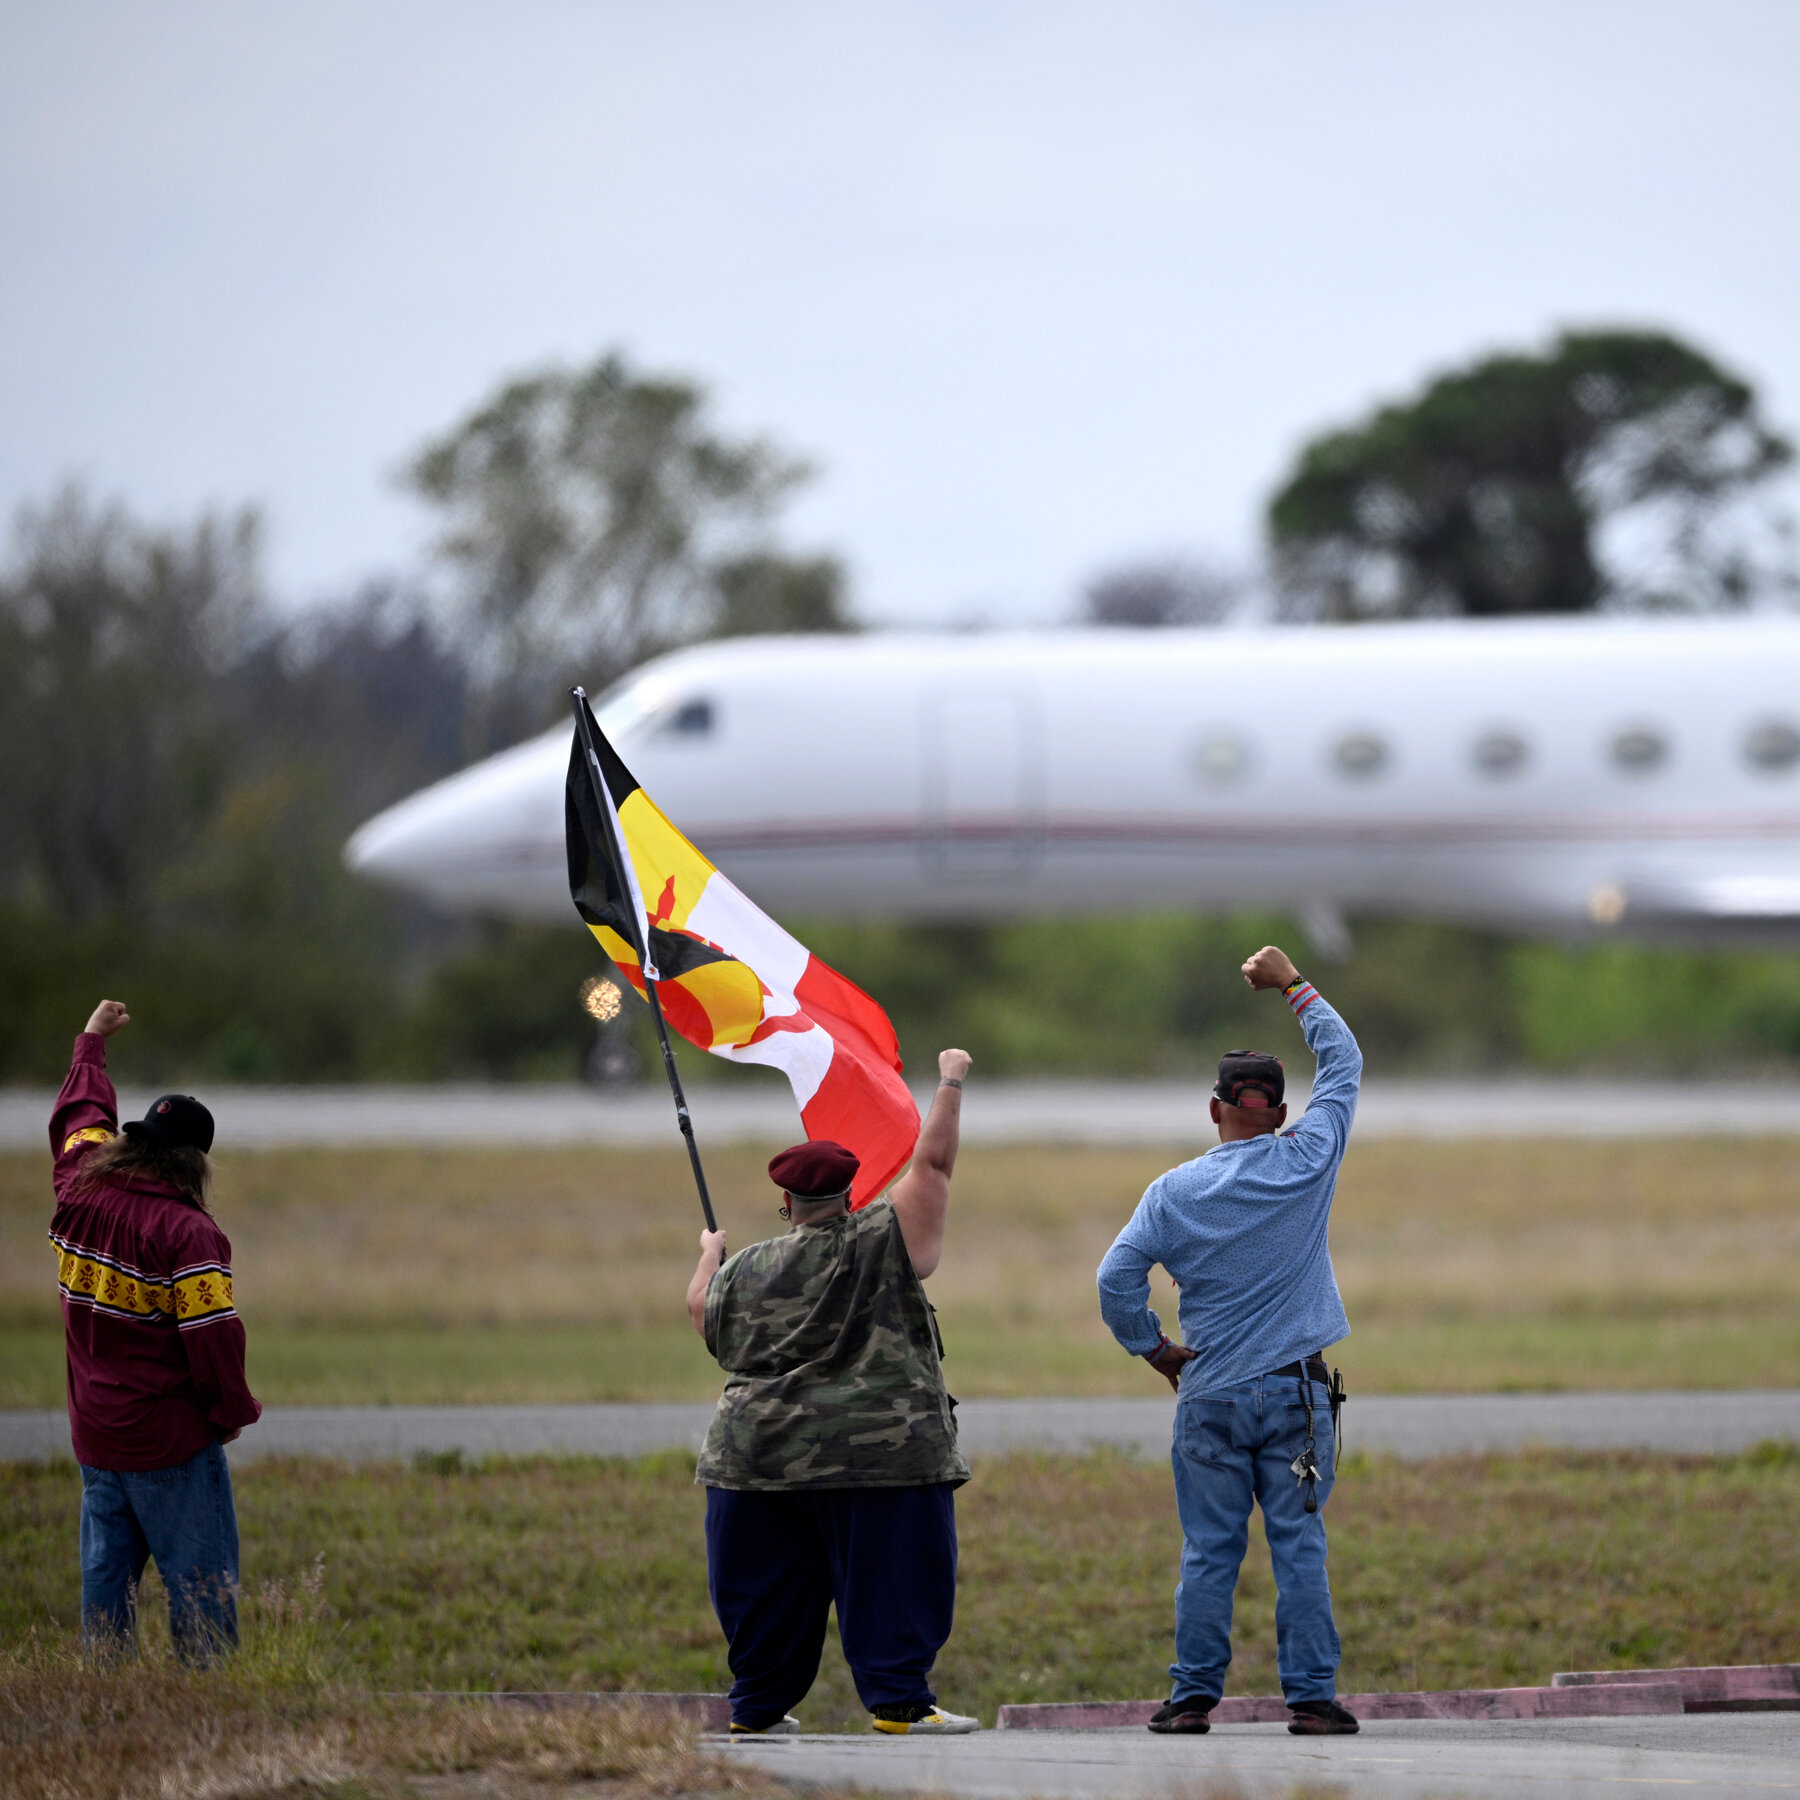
x=1406 y=1425
x=1705 y=1756
x=759 y=1108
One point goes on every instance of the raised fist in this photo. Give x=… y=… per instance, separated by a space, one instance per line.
x=109 y=1016
x=1270 y=968
x=953 y=1065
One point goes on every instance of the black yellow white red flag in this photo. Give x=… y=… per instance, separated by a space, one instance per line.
x=729 y=978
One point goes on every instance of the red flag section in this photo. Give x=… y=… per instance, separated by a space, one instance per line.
x=864 y=1068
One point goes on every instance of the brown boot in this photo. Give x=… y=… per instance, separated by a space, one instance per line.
x=1183 y=1716
x=1322 y=1718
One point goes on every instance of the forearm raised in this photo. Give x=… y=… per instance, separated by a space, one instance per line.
x=1339 y=1076
x=86 y=1107
x=921 y=1196
x=87 y=1103
x=941 y=1135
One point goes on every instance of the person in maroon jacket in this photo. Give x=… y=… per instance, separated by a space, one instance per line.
x=155 y=1355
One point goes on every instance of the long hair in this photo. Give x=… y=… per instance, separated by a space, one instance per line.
x=121 y=1158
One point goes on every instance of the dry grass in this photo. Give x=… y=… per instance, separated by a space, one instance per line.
x=558 y=1274
x=151 y=1730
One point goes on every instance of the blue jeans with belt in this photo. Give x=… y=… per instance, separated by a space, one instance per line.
x=1233 y=1447
x=185 y=1518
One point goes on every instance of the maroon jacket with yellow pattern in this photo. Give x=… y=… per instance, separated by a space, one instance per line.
x=156 y=1349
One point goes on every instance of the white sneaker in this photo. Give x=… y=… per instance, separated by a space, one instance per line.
x=936 y=1723
x=783 y=1727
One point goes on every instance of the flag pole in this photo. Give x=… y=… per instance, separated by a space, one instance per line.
x=578 y=698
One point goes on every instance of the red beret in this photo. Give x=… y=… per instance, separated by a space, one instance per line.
x=816 y=1170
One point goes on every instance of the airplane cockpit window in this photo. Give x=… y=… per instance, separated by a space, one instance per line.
x=1772 y=746
x=1360 y=755
x=1220 y=758
x=1639 y=750
x=1498 y=754
x=691 y=719
x=623 y=708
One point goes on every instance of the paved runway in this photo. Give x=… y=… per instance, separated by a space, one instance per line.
x=1703 y=1755
x=1095 y=1112
x=1405 y=1425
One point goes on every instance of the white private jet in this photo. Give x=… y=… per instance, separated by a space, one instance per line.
x=1560 y=778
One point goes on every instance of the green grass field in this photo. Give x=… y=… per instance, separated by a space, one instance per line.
x=432 y=1275
x=536 y=1275
x=591 y=1574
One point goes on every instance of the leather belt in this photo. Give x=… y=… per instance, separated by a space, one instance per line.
x=1315 y=1367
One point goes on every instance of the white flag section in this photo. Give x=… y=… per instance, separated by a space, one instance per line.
x=723 y=915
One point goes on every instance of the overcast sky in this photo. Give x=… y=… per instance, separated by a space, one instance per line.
x=1041 y=287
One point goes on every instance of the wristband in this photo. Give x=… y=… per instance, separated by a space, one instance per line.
x=1288 y=987
x=954 y=1081
x=1165 y=1344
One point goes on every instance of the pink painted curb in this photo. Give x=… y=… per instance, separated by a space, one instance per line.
x=1600 y=1700
x=1521 y=1703
x=1747 y=1687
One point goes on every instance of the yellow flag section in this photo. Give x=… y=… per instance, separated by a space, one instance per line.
x=712 y=1000
x=730 y=980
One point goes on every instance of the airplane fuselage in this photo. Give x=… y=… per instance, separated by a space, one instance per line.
x=1547 y=777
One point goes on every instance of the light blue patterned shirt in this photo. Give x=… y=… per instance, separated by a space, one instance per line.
x=1243 y=1232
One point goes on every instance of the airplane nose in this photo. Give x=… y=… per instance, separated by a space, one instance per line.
x=390 y=847
x=490 y=837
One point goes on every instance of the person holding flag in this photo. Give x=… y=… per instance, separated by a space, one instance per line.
x=832 y=1461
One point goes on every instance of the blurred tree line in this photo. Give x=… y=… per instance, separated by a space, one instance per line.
x=1613 y=469
x=182 y=760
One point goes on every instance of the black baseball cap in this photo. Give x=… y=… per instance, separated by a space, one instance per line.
x=175 y=1122
x=1250 y=1078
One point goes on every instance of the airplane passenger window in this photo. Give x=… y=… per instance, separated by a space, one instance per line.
x=1360 y=755
x=1773 y=746
x=1220 y=758
x=691 y=719
x=1498 y=754
x=1639 y=750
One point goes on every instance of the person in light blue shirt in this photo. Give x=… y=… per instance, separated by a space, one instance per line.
x=1243 y=1232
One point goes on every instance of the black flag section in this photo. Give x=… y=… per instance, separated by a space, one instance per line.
x=604 y=888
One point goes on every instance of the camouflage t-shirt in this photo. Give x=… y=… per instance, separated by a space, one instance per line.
x=831 y=1364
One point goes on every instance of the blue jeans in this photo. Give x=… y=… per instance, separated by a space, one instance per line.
x=1233 y=1446
x=185 y=1518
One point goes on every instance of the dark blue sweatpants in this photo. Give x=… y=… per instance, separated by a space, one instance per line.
x=775 y=1563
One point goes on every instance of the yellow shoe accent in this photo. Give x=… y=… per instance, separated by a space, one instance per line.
x=785 y=1727
x=936 y=1723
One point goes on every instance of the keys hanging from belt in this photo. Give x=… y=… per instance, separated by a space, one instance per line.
x=1306 y=1465
x=1306 y=1472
